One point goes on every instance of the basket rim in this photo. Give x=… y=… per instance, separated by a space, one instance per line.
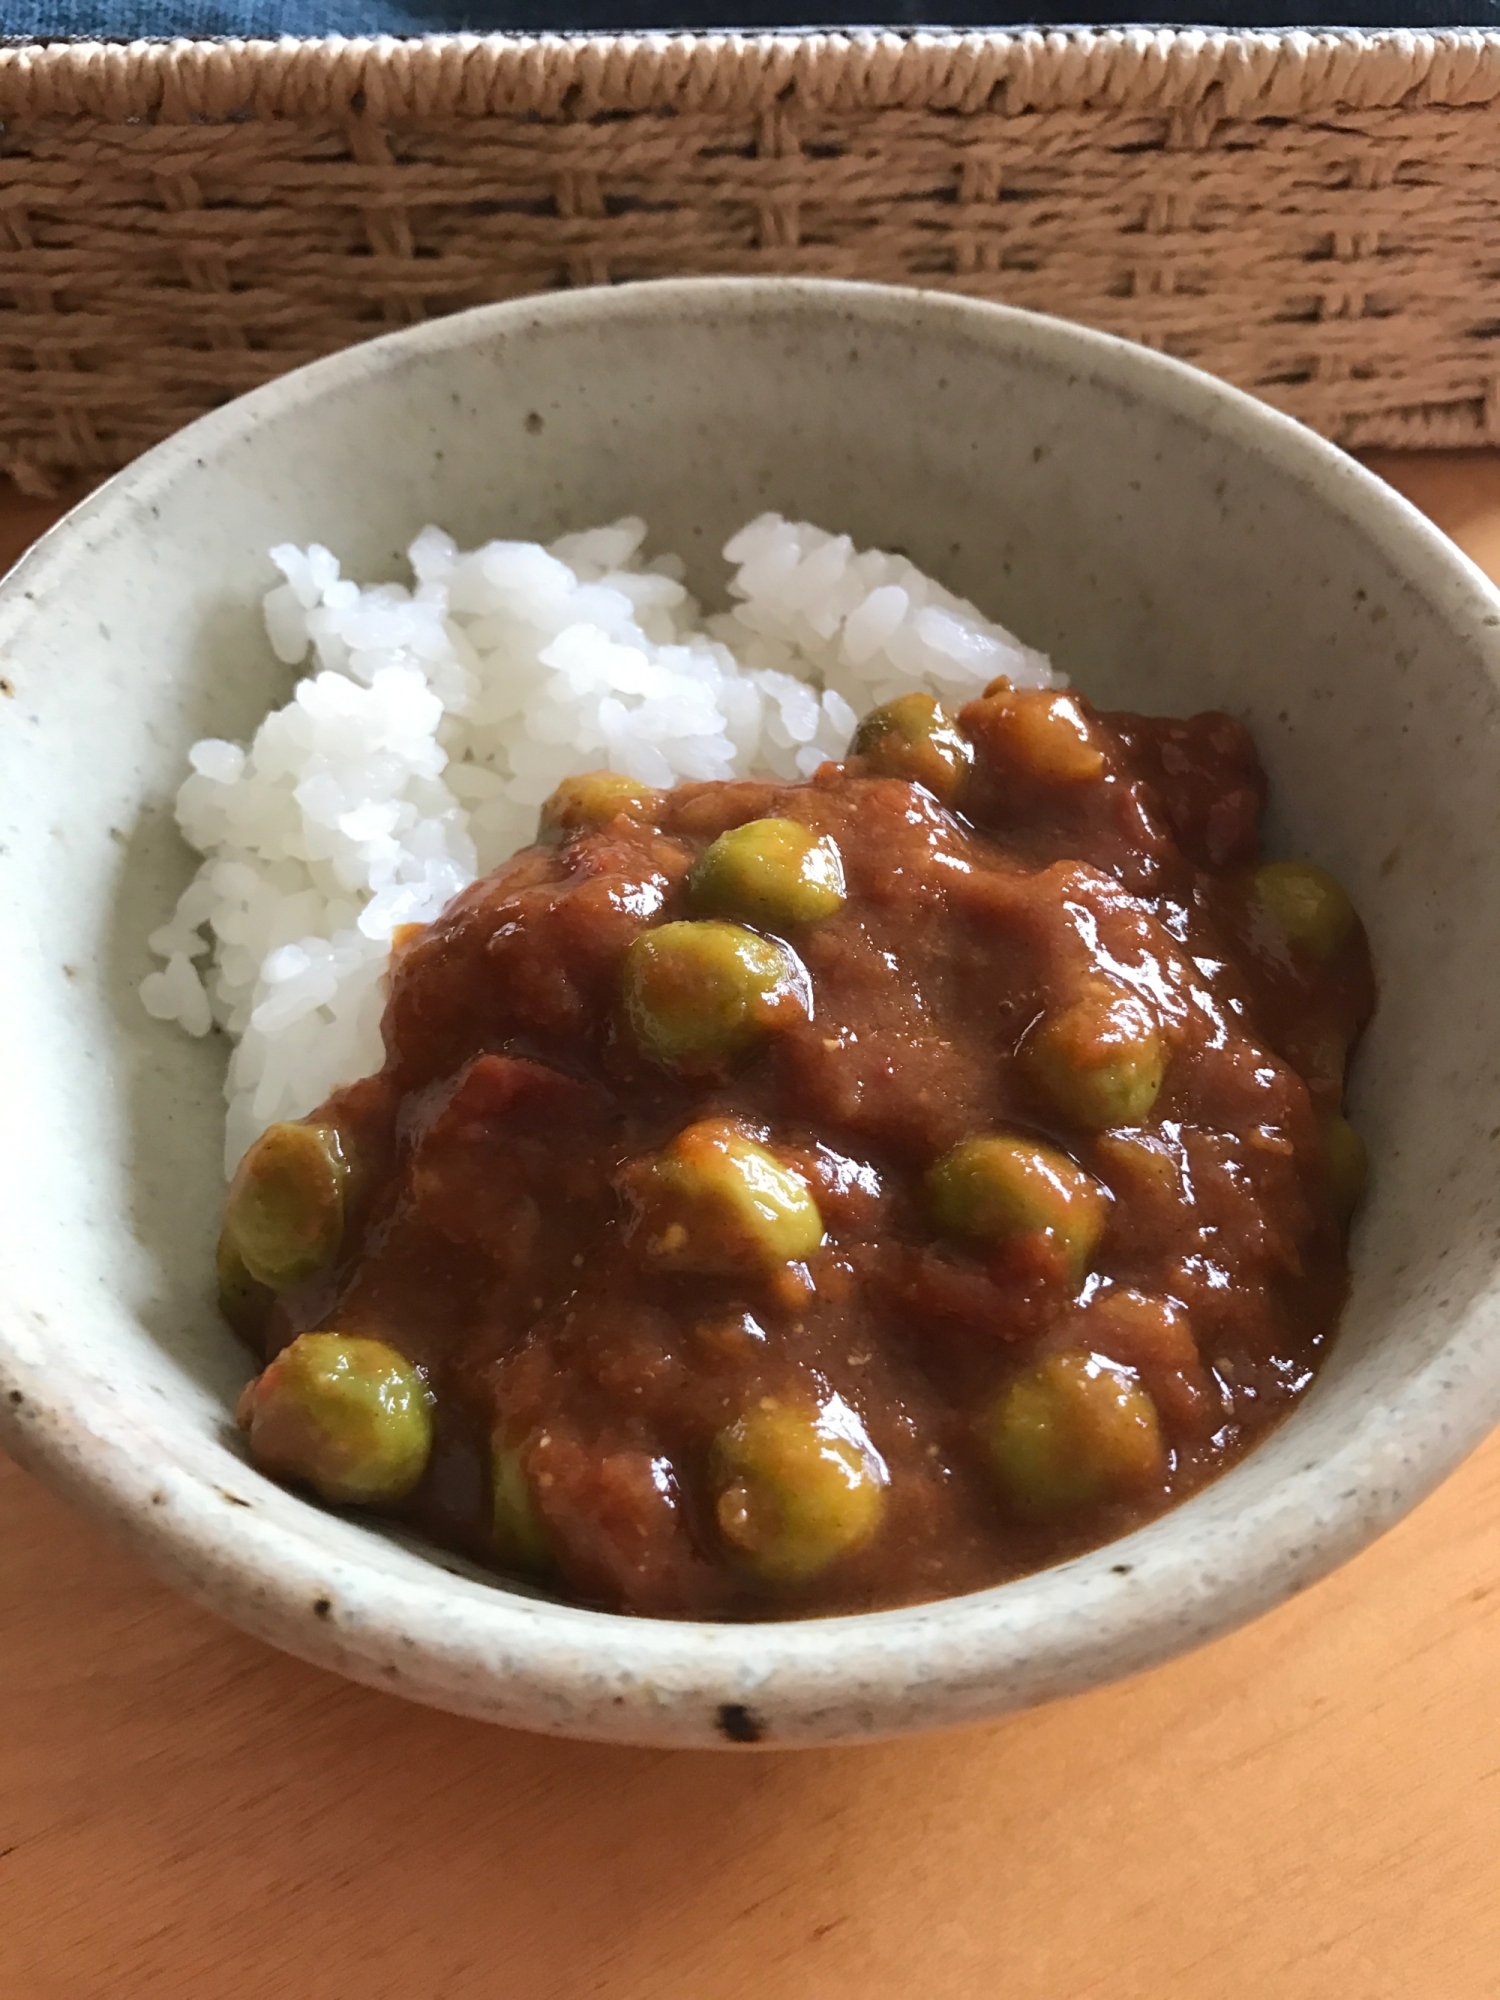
x=1261 y=72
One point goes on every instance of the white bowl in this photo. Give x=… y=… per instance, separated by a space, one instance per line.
x=1173 y=544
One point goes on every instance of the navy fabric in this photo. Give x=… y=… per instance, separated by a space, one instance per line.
x=122 y=20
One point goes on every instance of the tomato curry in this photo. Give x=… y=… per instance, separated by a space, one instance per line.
x=795 y=1198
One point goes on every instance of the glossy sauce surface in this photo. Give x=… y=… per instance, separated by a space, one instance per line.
x=501 y=1232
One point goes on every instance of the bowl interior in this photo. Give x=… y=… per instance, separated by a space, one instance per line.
x=1173 y=546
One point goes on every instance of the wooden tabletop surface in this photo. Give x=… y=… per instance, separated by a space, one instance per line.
x=1308 y=1810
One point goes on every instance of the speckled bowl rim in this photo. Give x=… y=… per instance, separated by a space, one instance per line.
x=474 y=1649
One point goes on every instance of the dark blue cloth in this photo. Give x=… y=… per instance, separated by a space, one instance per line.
x=120 y=20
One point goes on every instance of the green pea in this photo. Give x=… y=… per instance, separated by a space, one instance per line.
x=1037 y=733
x=714 y=1200
x=594 y=799
x=999 y=1189
x=242 y=1301
x=520 y=1538
x=699 y=994
x=1074 y=1430
x=1142 y=1167
x=796 y=1488
x=774 y=872
x=1345 y=1162
x=284 y=1214
x=1100 y=1060
x=345 y=1415
x=1306 y=905
x=914 y=737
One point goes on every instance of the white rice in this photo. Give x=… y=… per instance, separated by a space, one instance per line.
x=436 y=718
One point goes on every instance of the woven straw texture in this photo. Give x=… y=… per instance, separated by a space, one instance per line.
x=1314 y=216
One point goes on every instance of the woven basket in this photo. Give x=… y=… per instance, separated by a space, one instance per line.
x=1316 y=217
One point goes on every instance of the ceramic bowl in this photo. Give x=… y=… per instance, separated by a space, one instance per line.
x=1173 y=544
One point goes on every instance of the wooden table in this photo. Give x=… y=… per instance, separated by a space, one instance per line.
x=1309 y=1810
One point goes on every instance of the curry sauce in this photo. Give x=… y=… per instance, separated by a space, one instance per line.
x=795 y=1198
